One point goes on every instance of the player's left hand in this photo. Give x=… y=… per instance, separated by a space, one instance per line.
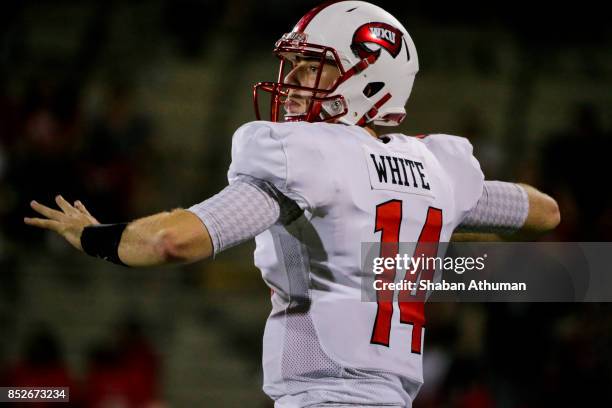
x=69 y=222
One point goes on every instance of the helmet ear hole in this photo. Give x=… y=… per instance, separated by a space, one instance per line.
x=373 y=88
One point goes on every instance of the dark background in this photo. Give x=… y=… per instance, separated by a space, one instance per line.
x=130 y=107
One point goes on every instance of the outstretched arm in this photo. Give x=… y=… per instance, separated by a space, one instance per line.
x=166 y=237
x=237 y=213
x=542 y=216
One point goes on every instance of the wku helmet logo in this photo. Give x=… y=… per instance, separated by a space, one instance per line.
x=384 y=35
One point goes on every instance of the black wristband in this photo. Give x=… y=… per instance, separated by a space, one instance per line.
x=102 y=241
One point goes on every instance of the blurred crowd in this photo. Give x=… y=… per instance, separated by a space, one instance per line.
x=572 y=164
x=50 y=147
x=487 y=355
x=121 y=371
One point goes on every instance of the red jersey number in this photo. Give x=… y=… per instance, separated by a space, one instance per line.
x=411 y=306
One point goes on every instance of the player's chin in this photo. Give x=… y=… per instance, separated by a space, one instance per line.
x=292 y=115
x=297 y=117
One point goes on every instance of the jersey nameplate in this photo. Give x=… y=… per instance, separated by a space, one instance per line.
x=397 y=171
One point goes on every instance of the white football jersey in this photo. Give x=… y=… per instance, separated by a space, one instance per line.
x=322 y=342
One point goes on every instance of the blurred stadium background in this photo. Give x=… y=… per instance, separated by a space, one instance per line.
x=130 y=107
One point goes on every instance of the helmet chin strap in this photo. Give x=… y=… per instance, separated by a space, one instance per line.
x=358 y=67
x=333 y=107
x=371 y=114
x=354 y=70
x=329 y=110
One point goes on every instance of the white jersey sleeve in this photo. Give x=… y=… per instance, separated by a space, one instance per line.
x=456 y=157
x=285 y=159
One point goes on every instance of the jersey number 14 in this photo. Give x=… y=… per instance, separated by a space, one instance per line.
x=411 y=305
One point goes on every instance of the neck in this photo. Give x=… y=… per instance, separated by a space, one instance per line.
x=371 y=131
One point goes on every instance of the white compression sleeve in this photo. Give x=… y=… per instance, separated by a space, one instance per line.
x=502 y=208
x=243 y=210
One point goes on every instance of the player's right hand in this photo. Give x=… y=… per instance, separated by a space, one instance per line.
x=69 y=222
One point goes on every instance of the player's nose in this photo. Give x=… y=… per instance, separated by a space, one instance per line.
x=293 y=77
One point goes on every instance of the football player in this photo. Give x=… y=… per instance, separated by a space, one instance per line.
x=313 y=183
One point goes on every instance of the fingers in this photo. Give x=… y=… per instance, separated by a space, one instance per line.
x=46 y=211
x=81 y=207
x=42 y=223
x=64 y=205
x=77 y=213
